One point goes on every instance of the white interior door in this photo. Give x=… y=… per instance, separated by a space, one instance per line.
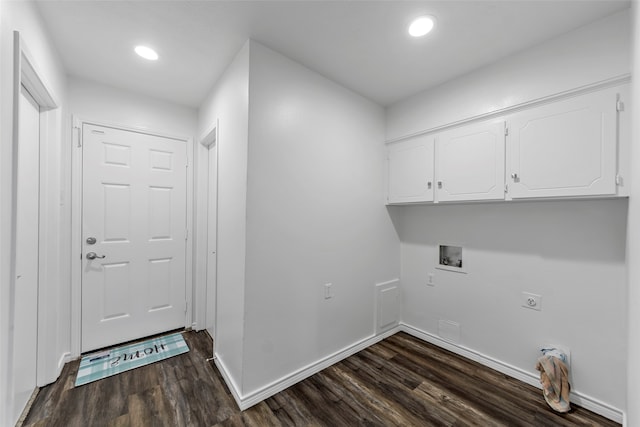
x=212 y=229
x=134 y=206
x=25 y=332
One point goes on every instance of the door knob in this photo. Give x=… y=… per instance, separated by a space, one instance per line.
x=93 y=255
x=91 y=240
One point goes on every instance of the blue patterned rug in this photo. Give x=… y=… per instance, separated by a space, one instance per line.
x=119 y=359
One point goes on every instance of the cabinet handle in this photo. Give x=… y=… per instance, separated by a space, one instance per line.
x=439 y=184
x=429 y=185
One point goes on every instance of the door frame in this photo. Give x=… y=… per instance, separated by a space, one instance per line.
x=76 y=223
x=209 y=142
x=27 y=74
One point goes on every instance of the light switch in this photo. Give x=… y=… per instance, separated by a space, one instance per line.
x=328 y=290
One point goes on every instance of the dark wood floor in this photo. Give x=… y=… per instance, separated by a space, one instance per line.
x=400 y=381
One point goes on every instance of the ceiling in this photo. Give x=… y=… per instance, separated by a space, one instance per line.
x=362 y=45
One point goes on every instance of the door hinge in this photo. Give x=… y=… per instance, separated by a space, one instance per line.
x=619 y=106
x=619 y=180
x=186 y=307
x=506 y=131
x=186 y=234
x=506 y=188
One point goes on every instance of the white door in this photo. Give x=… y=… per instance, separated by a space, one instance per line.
x=410 y=170
x=134 y=208
x=25 y=333
x=470 y=163
x=567 y=148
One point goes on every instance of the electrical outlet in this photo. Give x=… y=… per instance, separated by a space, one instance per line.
x=532 y=301
x=430 y=280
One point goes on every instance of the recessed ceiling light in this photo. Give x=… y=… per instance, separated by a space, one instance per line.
x=422 y=26
x=146 y=53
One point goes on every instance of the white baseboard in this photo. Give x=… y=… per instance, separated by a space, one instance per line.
x=228 y=379
x=253 y=398
x=578 y=398
x=257 y=396
x=64 y=358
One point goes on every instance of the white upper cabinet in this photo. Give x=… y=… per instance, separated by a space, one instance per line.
x=410 y=170
x=470 y=162
x=566 y=148
x=571 y=147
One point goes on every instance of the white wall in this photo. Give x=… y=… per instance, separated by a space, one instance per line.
x=228 y=102
x=315 y=215
x=595 y=52
x=570 y=252
x=633 y=241
x=95 y=101
x=23 y=16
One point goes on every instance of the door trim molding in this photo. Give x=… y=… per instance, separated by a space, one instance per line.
x=26 y=73
x=206 y=142
x=76 y=223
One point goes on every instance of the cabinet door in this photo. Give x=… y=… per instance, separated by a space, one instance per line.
x=470 y=163
x=410 y=170
x=564 y=149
